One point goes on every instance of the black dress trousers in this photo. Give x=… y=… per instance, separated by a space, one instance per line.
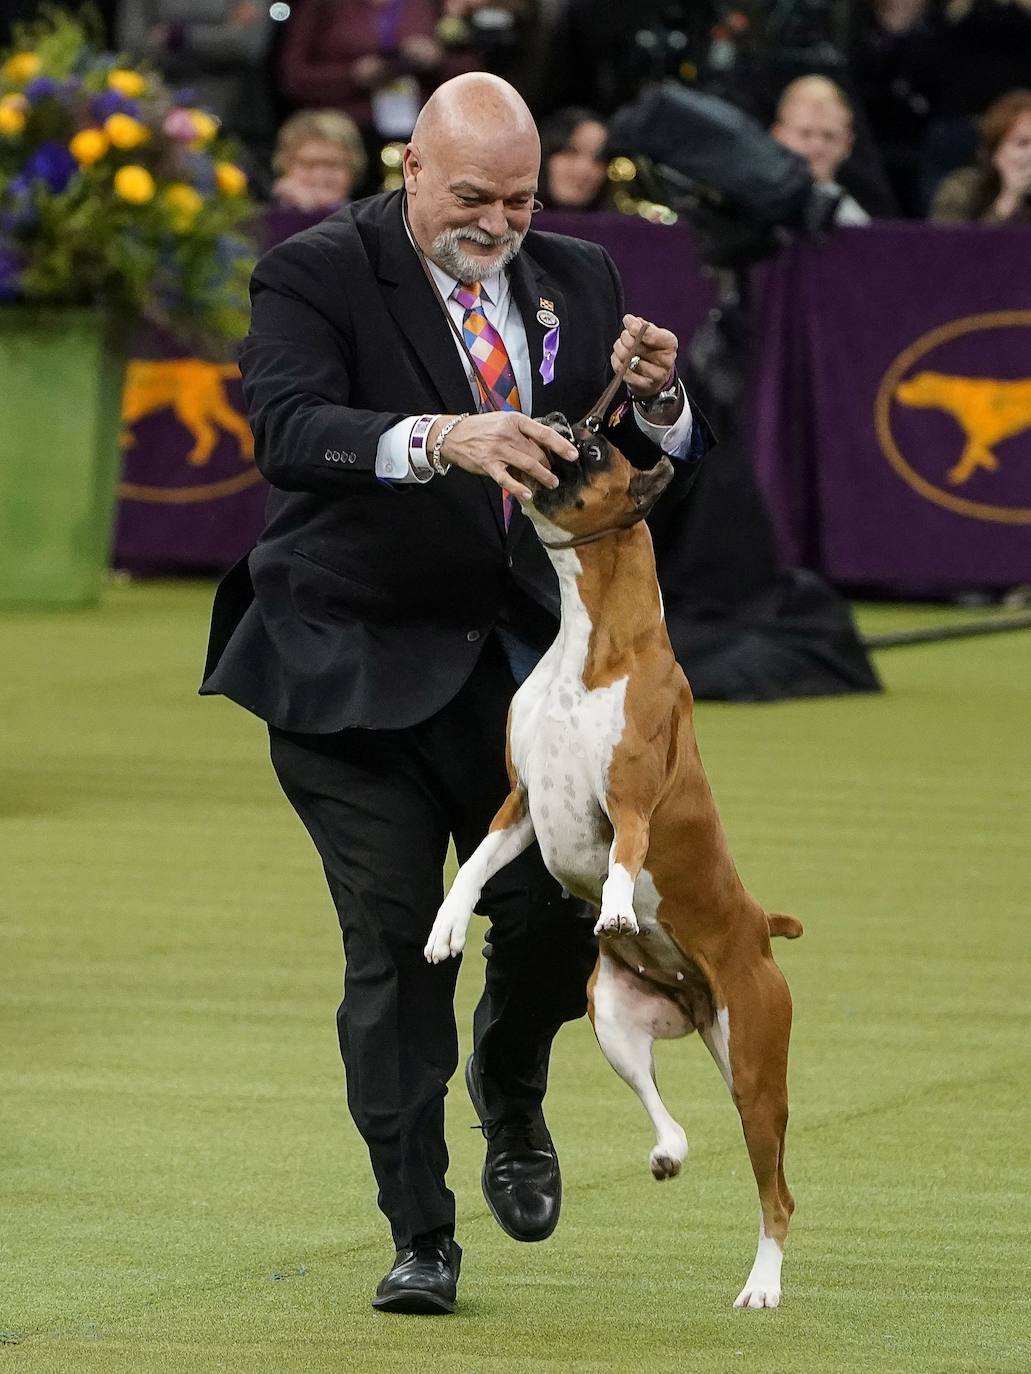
x=380 y=806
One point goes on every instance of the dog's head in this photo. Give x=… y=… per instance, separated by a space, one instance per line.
x=601 y=491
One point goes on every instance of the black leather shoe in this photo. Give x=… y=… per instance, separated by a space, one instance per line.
x=423 y=1280
x=521 y=1179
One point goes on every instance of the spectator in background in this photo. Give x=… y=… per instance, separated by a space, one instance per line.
x=217 y=49
x=573 y=161
x=998 y=189
x=377 y=60
x=507 y=37
x=896 y=61
x=814 y=119
x=318 y=161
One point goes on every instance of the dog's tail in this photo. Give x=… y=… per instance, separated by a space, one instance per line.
x=788 y=926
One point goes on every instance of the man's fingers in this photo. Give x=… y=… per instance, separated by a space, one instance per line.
x=505 y=479
x=646 y=370
x=655 y=341
x=632 y=325
x=547 y=438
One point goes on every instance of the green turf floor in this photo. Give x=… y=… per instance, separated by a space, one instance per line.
x=181 y=1188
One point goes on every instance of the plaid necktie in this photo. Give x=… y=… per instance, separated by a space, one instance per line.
x=491 y=358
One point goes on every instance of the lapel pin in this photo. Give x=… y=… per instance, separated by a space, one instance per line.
x=547 y=318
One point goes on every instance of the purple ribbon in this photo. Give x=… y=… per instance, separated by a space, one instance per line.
x=547 y=368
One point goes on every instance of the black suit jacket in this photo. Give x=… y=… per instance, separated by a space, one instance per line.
x=366 y=603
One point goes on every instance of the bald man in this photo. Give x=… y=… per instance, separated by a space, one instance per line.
x=814 y=119
x=394 y=601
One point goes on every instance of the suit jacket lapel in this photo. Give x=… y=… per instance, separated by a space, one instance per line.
x=530 y=287
x=417 y=310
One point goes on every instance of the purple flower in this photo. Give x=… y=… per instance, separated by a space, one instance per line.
x=112 y=102
x=9 y=269
x=43 y=88
x=52 y=164
x=179 y=125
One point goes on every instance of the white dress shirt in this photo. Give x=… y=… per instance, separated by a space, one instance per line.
x=502 y=312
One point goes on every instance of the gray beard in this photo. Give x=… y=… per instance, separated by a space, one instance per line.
x=448 y=253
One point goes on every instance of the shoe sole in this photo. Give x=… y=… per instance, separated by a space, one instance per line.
x=477 y=1102
x=418 y=1303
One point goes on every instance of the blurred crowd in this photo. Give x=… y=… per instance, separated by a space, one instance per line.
x=904 y=108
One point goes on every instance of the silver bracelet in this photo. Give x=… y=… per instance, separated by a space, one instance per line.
x=436 y=462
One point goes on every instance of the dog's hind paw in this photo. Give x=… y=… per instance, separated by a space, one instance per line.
x=666 y=1160
x=663 y=1165
x=762 y=1288
x=755 y=1296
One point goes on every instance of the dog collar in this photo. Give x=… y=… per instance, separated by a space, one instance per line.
x=593 y=537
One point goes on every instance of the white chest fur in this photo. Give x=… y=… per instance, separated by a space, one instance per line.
x=563 y=738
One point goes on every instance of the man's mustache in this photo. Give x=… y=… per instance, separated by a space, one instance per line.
x=484 y=239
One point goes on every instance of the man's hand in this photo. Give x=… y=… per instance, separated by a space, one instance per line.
x=657 y=351
x=503 y=445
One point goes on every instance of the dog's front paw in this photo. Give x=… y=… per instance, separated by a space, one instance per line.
x=614 y=921
x=447 y=938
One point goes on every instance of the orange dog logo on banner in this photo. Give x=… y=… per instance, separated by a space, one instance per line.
x=196 y=392
x=986 y=410
x=973 y=371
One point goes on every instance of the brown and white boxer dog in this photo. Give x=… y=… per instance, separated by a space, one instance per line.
x=606 y=776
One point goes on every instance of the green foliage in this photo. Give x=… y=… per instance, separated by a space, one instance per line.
x=114 y=195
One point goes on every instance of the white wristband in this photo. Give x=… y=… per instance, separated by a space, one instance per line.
x=417 y=458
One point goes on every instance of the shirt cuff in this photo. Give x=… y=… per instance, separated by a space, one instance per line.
x=674 y=439
x=392 y=463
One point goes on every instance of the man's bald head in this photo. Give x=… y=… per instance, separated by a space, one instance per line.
x=814 y=119
x=471 y=109
x=813 y=90
x=470 y=173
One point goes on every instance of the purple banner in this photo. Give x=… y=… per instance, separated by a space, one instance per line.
x=891 y=406
x=907 y=387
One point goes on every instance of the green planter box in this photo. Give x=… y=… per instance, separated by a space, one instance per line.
x=60 y=403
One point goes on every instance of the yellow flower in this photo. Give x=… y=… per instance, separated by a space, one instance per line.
x=126 y=82
x=185 y=203
x=205 y=126
x=88 y=146
x=12 y=116
x=230 y=179
x=134 y=184
x=22 y=67
x=125 y=132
